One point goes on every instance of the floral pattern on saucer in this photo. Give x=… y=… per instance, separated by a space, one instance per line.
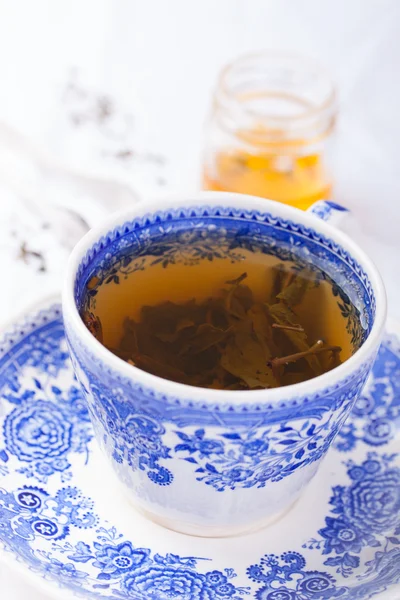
x=46 y=417
x=52 y=526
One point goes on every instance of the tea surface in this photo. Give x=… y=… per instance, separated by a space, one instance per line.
x=260 y=323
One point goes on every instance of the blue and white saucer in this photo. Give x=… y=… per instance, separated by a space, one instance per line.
x=64 y=519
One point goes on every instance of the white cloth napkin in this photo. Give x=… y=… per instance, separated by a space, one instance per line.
x=45 y=210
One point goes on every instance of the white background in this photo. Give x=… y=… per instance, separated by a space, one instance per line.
x=158 y=60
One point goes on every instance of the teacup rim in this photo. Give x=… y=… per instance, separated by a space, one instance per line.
x=246 y=203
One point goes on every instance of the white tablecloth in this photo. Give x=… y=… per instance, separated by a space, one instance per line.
x=120 y=89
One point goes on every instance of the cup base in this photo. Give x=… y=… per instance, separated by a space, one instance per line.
x=210 y=531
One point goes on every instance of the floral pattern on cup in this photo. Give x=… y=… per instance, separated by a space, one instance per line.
x=223 y=458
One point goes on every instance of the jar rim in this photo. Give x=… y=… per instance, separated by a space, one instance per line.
x=225 y=96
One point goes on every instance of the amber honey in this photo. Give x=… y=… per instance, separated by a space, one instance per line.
x=298 y=181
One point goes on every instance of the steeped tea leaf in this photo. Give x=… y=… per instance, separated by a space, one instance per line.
x=181 y=325
x=262 y=328
x=247 y=362
x=231 y=340
x=205 y=336
x=295 y=287
x=147 y=363
x=238 y=280
x=239 y=298
x=283 y=315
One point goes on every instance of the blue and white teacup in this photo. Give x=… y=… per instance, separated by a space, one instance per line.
x=211 y=462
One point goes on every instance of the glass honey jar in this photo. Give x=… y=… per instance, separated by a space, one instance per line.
x=270 y=130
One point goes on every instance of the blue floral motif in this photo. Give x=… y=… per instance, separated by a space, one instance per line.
x=162 y=582
x=134 y=428
x=341 y=537
x=31 y=512
x=62 y=570
x=281 y=593
x=136 y=437
x=372 y=502
x=363 y=511
x=197 y=443
x=231 y=459
x=37 y=431
x=385 y=570
x=48 y=352
x=50 y=420
x=234 y=459
x=78 y=509
x=278 y=575
x=377 y=410
x=115 y=560
x=315 y=584
x=135 y=572
x=285 y=578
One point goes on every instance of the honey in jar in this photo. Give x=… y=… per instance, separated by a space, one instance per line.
x=270 y=130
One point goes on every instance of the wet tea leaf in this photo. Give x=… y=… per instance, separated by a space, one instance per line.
x=239 y=298
x=283 y=315
x=204 y=337
x=247 y=362
x=295 y=287
x=229 y=341
x=262 y=329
